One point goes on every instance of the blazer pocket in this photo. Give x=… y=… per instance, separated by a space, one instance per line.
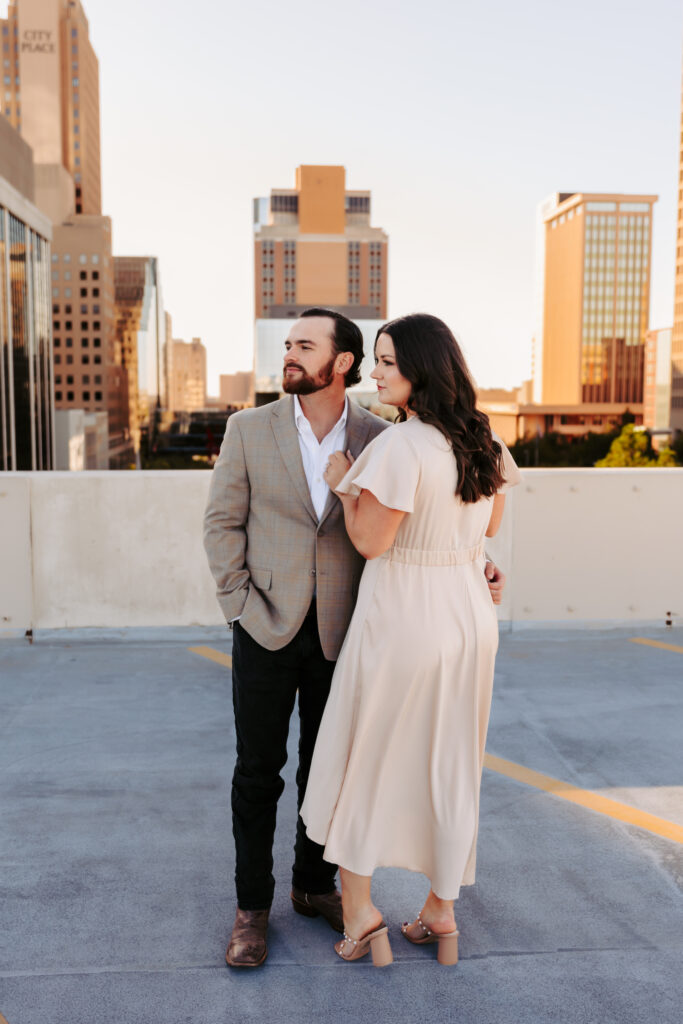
x=261 y=578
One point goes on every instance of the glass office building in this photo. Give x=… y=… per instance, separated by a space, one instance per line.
x=26 y=381
x=594 y=301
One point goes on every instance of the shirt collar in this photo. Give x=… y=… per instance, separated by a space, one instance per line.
x=301 y=421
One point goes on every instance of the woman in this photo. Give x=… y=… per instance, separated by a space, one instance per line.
x=397 y=765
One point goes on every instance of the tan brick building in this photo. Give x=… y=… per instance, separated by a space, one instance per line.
x=188 y=379
x=314 y=245
x=51 y=92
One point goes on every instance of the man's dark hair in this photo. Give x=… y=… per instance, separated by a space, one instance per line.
x=346 y=337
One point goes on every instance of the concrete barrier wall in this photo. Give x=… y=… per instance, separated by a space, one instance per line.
x=124 y=549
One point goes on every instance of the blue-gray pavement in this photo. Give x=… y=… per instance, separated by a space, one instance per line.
x=116 y=860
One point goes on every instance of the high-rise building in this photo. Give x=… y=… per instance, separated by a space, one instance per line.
x=594 y=303
x=657 y=391
x=313 y=246
x=82 y=312
x=26 y=386
x=139 y=333
x=51 y=78
x=51 y=95
x=677 y=335
x=188 y=380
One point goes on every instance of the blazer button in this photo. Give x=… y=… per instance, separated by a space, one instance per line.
x=312 y=572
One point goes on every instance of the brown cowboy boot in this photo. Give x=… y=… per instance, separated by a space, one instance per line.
x=248 y=940
x=328 y=905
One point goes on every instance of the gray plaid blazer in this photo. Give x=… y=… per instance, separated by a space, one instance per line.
x=266 y=549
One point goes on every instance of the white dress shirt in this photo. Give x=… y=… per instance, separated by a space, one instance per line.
x=315 y=455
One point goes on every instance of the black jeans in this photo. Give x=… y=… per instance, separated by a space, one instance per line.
x=264 y=687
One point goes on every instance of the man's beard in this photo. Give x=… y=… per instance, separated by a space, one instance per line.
x=307 y=385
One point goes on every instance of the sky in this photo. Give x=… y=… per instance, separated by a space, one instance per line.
x=459 y=117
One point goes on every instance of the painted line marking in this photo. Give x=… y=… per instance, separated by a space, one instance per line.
x=585 y=798
x=213 y=655
x=581 y=797
x=656 y=643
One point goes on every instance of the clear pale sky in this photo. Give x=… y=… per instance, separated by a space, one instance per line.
x=460 y=117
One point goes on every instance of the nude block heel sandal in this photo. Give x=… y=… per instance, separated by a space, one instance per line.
x=448 y=944
x=376 y=942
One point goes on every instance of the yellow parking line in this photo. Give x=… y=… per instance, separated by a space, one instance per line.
x=656 y=643
x=584 y=798
x=213 y=655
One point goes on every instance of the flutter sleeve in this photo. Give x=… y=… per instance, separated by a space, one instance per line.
x=389 y=468
x=509 y=468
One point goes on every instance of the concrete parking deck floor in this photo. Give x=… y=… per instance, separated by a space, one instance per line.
x=116 y=850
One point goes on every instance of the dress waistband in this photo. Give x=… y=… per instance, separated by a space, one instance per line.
x=427 y=556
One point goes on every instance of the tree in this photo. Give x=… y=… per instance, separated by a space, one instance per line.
x=666 y=457
x=633 y=447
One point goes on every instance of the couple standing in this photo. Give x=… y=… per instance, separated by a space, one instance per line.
x=304 y=491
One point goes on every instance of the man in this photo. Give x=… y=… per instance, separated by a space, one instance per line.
x=287 y=578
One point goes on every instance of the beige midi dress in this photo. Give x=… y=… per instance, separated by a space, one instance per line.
x=397 y=765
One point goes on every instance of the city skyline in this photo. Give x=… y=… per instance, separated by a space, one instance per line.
x=499 y=109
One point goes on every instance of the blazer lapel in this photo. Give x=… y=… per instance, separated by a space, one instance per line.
x=357 y=429
x=284 y=429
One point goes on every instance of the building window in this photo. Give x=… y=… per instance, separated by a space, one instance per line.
x=69 y=359
x=55 y=325
x=85 y=360
x=98 y=396
x=82 y=259
x=84 y=325
x=69 y=325
x=69 y=343
x=70 y=379
x=97 y=342
x=97 y=359
x=96 y=325
x=58 y=396
x=57 y=342
x=84 y=292
x=96 y=293
x=58 y=359
x=86 y=378
x=95 y=275
x=86 y=396
x=96 y=309
x=94 y=258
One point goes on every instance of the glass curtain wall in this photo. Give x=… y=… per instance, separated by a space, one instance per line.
x=26 y=405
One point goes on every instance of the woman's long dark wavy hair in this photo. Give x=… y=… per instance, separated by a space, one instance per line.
x=443 y=394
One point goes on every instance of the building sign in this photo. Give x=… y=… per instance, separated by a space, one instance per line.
x=34 y=40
